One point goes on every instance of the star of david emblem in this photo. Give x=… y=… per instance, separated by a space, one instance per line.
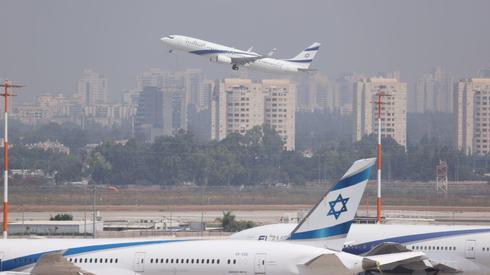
x=307 y=55
x=333 y=206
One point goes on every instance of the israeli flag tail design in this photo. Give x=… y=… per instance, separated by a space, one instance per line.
x=328 y=223
x=303 y=59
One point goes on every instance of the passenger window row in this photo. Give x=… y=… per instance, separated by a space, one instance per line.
x=93 y=260
x=189 y=261
x=485 y=249
x=440 y=248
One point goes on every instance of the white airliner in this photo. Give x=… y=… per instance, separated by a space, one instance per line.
x=450 y=249
x=227 y=55
x=333 y=216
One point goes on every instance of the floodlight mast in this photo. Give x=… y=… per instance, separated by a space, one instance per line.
x=380 y=94
x=6 y=94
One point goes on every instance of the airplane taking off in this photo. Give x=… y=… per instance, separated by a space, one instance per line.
x=210 y=257
x=237 y=58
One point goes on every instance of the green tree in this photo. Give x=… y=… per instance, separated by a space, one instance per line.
x=230 y=224
x=61 y=217
x=99 y=168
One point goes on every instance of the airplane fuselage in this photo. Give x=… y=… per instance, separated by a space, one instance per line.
x=223 y=54
x=466 y=248
x=198 y=257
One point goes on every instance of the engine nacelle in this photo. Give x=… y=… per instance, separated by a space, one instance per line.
x=220 y=59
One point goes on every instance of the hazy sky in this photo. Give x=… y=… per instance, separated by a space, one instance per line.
x=46 y=44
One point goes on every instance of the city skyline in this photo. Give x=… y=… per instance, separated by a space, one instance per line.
x=117 y=42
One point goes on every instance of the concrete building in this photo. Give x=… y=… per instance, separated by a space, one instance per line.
x=92 y=88
x=151 y=119
x=344 y=90
x=434 y=92
x=472 y=115
x=393 y=111
x=314 y=92
x=193 y=86
x=52 y=146
x=160 y=112
x=54 y=227
x=207 y=90
x=280 y=109
x=240 y=104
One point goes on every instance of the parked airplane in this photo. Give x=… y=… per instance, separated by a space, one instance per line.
x=202 y=257
x=449 y=249
x=227 y=55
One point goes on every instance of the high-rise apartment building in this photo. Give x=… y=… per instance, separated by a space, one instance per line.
x=92 y=88
x=207 y=90
x=192 y=84
x=472 y=115
x=240 y=104
x=152 y=116
x=393 y=110
x=314 y=92
x=344 y=86
x=434 y=92
x=280 y=109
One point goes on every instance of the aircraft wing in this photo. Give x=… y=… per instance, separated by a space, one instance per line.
x=387 y=248
x=53 y=264
x=433 y=264
x=328 y=262
x=246 y=60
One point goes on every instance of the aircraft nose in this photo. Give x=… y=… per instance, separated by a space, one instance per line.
x=169 y=40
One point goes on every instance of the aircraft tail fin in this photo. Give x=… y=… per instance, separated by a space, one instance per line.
x=304 y=58
x=331 y=218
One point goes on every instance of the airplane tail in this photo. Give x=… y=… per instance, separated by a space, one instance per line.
x=328 y=223
x=304 y=58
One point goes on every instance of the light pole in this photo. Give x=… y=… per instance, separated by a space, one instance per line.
x=94 y=204
x=380 y=94
x=94 y=198
x=6 y=95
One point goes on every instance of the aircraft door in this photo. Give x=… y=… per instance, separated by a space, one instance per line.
x=259 y=263
x=470 y=249
x=139 y=262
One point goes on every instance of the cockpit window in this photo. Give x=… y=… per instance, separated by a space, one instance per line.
x=170 y=36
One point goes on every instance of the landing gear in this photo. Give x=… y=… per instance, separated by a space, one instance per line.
x=235 y=67
x=170 y=51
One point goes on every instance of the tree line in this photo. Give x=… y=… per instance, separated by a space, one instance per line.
x=258 y=157
x=255 y=158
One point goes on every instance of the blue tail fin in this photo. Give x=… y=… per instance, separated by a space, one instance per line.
x=303 y=59
x=332 y=216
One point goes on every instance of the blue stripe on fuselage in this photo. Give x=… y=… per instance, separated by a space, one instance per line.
x=300 y=61
x=25 y=261
x=205 y=52
x=365 y=247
